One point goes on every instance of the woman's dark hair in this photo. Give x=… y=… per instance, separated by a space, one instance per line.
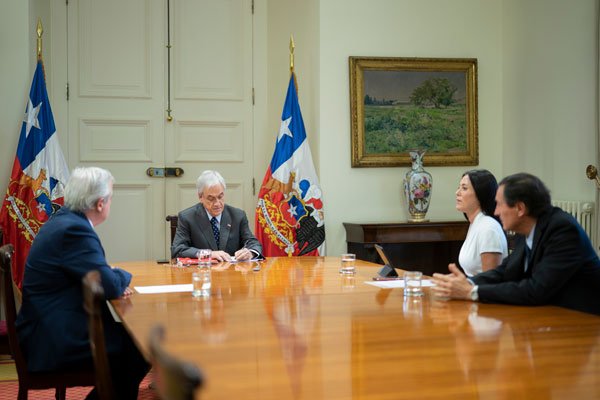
x=485 y=185
x=530 y=190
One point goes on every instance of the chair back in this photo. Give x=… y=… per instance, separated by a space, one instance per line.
x=175 y=379
x=172 y=219
x=11 y=307
x=59 y=381
x=93 y=297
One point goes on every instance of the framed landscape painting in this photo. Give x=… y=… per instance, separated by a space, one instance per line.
x=403 y=104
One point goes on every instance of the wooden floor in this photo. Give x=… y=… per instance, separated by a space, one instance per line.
x=298 y=330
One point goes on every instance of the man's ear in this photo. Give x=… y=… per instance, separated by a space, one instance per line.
x=100 y=204
x=521 y=209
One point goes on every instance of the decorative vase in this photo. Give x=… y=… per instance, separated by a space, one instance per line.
x=417 y=187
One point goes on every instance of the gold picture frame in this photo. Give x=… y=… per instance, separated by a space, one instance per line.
x=401 y=104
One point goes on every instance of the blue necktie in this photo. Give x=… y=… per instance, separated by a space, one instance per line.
x=215 y=229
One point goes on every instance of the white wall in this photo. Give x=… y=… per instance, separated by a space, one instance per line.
x=549 y=100
x=297 y=18
x=18 y=44
x=435 y=28
x=15 y=79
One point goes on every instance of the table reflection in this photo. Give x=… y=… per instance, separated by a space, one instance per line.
x=297 y=329
x=293 y=311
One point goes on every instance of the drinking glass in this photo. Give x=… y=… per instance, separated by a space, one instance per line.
x=348 y=260
x=204 y=257
x=412 y=283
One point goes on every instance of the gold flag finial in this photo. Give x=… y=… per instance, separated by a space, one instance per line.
x=39 y=31
x=292 y=46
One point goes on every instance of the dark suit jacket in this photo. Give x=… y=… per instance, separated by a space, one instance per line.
x=52 y=324
x=194 y=232
x=564 y=269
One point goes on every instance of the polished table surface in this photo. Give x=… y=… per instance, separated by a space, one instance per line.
x=298 y=330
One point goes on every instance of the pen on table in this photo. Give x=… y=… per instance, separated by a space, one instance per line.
x=384 y=278
x=234 y=259
x=245 y=246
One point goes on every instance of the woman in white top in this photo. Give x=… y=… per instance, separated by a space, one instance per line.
x=485 y=245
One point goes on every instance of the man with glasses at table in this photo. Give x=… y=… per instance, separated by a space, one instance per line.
x=211 y=224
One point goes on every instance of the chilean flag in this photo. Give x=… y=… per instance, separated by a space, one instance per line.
x=39 y=175
x=289 y=216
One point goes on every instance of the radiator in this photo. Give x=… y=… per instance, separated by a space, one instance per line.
x=583 y=211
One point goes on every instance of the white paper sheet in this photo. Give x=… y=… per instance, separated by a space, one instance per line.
x=399 y=283
x=164 y=288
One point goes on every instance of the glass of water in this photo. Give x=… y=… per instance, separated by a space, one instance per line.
x=204 y=257
x=412 y=283
x=201 y=282
x=348 y=261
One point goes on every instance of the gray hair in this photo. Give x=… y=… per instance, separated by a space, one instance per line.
x=209 y=178
x=86 y=186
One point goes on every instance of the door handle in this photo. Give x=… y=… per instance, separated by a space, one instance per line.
x=592 y=173
x=167 y=172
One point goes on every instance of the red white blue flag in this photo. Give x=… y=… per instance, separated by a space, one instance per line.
x=36 y=187
x=289 y=215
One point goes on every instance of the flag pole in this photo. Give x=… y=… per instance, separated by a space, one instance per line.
x=39 y=31
x=292 y=47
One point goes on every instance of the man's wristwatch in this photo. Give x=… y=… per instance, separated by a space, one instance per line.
x=474 y=294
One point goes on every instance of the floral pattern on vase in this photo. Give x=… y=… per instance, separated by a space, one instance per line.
x=417 y=187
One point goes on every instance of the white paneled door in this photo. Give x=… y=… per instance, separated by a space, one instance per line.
x=122 y=80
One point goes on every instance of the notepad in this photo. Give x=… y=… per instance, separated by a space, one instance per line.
x=164 y=288
x=397 y=283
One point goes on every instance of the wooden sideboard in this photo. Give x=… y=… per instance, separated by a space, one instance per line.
x=425 y=246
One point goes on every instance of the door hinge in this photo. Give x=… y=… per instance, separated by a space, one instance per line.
x=252 y=96
x=68 y=91
x=252 y=6
x=253 y=187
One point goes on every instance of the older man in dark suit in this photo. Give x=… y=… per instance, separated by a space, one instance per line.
x=553 y=261
x=211 y=224
x=52 y=324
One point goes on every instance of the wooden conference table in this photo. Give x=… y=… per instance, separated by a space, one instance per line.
x=298 y=330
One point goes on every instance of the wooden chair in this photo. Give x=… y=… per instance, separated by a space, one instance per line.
x=174 y=379
x=59 y=381
x=93 y=297
x=172 y=219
